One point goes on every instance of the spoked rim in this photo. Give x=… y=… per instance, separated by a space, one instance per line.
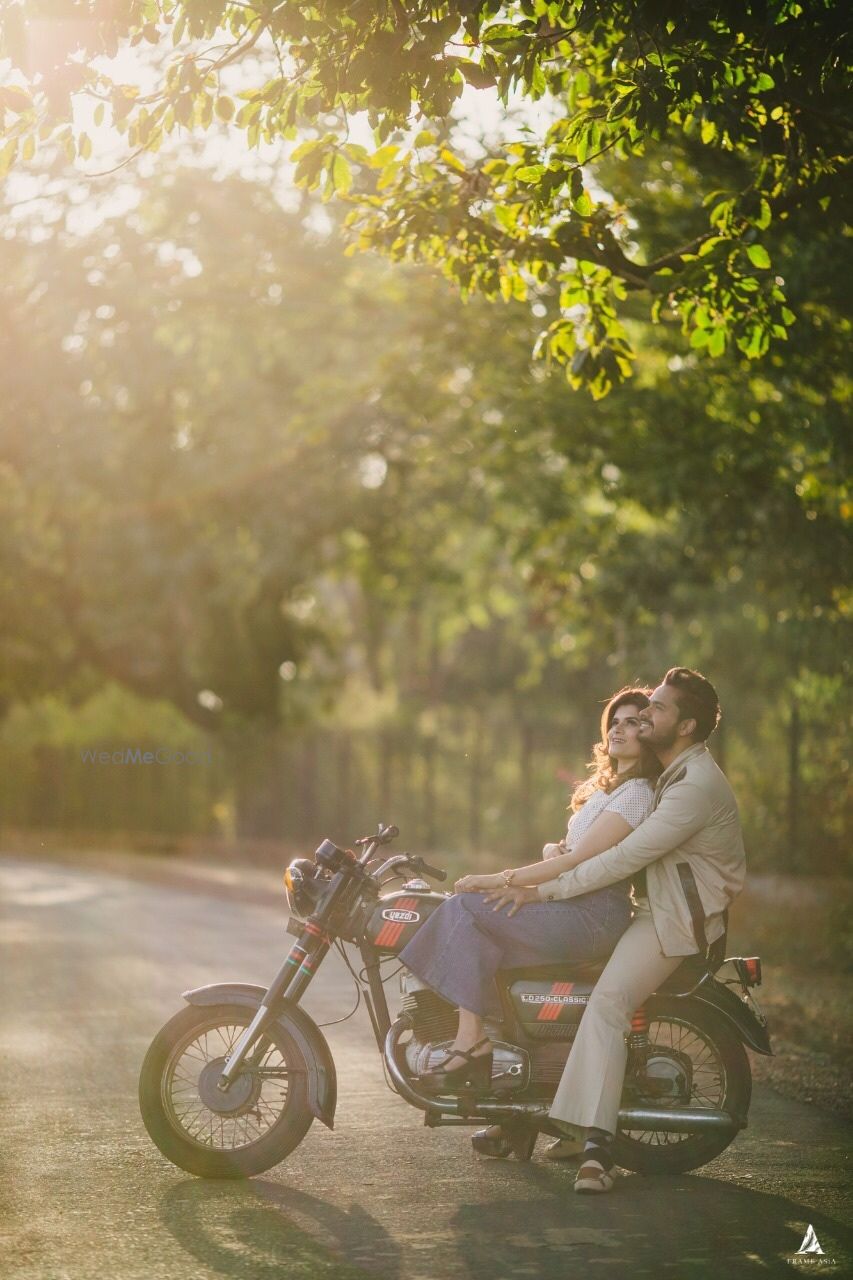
x=709 y=1078
x=264 y=1103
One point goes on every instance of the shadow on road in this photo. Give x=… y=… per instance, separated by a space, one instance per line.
x=258 y=1229
x=682 y=1226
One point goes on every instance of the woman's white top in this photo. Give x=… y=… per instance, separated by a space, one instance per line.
x=632 y=801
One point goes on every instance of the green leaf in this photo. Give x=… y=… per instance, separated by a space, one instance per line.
x=717 y=343
x=224 y=108
x=478 y=76
x=582 y=148
x=452 y=161
x=7 y=156
x=304 y=149
x=720 y=214
x=530 y=173
x=758 y=255
x=340 y=174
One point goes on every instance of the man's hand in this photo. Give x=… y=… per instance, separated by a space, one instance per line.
x=554 y=850
x=478 y=884
x=513 y=898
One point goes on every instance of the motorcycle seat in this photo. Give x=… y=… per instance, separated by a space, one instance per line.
x=584 y=971
x=681 y=979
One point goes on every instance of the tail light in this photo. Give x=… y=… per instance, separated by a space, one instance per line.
x=749 y=970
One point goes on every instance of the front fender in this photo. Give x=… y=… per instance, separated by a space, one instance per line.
x=309 y=1040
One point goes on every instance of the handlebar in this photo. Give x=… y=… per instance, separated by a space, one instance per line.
x=410 y=860
x=434 y=872
x=383 y=836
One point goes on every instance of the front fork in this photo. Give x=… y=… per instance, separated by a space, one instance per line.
x=291 y=980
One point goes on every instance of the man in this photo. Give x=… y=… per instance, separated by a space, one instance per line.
x=687 y=863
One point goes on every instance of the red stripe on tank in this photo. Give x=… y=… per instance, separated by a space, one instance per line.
x=551 y=1011
x=390 y=933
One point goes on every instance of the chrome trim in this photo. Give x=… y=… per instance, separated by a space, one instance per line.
x=682 y=995
x=393 y=861
x=676 y=1119
x=667 y=1120
x=438 y=1106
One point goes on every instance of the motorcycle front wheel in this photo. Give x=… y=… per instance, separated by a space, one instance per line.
x=255 y=1125
x=696 y=1038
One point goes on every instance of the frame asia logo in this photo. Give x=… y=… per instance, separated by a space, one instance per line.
x=810 y=1252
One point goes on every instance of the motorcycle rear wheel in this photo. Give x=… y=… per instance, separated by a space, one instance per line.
x=678 y=1153
x=269 y=1113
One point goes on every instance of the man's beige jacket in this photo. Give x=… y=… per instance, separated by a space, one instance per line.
x=692 y=848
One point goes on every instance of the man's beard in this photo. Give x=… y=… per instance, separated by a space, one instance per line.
x=657 y=740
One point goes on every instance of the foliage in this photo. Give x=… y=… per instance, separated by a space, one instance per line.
x=323 y=491
x=758 y=87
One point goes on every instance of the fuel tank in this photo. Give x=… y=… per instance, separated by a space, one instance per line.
x=397 y=917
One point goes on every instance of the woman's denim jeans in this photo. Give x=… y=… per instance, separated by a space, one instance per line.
x=458 y=951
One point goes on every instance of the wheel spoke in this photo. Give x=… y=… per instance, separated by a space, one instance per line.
x=265 y=1104
x=672 y=1038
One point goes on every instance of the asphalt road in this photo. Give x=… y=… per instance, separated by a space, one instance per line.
x=93 y=961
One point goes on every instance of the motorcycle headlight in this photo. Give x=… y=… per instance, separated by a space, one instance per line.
x=304 y=886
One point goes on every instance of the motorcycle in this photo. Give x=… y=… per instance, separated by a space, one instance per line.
x=232 y=1083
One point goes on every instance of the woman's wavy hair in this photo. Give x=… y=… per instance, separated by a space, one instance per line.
x=602 y=766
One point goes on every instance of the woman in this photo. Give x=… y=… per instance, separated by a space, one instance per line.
x=458 y=951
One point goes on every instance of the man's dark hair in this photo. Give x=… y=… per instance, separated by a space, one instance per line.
x=697 y=699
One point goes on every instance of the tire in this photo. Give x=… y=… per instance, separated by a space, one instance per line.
x=162 y=1092
x=692 y=1150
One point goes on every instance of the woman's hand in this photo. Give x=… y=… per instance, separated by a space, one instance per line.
x=513 y=898
x=554 y=850
x=478 y=884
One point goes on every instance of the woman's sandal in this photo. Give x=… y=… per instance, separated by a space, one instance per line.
x=496 y=1144
x=517 y=1141
x=593 y=1176
x=475 y=1072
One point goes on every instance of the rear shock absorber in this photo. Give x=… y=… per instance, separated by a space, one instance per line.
x=638 y=1040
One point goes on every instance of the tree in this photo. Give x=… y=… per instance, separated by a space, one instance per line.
x=182 y=427
x=760 y=84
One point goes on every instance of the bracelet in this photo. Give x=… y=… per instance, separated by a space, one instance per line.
x=507 y=876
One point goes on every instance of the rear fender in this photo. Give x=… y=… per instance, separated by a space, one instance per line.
x=735 y=1011
x=309 y=1040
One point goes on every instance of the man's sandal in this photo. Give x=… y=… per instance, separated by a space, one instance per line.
x=565 y=1149
x=592 y=1176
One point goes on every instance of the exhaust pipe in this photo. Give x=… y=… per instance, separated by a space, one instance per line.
x=675 y=1120
x=636 y=1118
